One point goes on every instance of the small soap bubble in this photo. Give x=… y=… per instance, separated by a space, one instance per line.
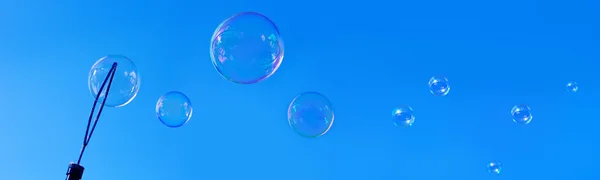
x=246 y=48
x=439 y=86
x=125 y=84
x=403 y=117
x=572 y=86
x=174 y=109
x=310 y=114
x=521 y=114
x=494 y=167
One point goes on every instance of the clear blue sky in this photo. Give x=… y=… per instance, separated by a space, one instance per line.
x=367 y=57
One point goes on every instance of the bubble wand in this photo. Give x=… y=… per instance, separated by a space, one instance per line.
x=75 y=171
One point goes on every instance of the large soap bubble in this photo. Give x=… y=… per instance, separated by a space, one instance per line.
x=174 y=109
x=125 y=84
x=310 y=114
x=246 y=48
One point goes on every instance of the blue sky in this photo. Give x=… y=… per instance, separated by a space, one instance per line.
x=367 y=57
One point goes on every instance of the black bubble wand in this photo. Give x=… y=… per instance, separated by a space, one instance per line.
x=75 y=171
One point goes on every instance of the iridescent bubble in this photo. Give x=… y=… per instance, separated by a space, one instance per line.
x=174 y=109
x=572 y=86
x=521 y=114
x=125 y=84
x=494 y=167
x=310 y=114
x=403 y=117
x=438 y=85
x=246 y=48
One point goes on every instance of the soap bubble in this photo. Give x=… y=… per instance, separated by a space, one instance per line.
x=521 y=114
x=246 y=48
x=494 y=167
x=125 y=84
x=310 y=114
x=174 y=109
x=403 y=117
x=572 y=86
x=439 y=86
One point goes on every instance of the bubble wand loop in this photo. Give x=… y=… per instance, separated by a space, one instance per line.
x=75 y=171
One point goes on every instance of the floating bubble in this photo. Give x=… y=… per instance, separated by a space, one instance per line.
x=174 y=109
x=438 y=85
x=521 y=114
x=125 y=84
x=310 y=114
x=246 y=48
x=572 y=86
x=494 y=167
x=403 y=117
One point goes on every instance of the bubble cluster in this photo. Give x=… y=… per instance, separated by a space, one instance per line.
x=247 y=48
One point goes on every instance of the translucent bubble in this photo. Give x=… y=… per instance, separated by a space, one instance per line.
x=494 y=167
x=403 y=117
x=310 y=114
x=521 y=114
x=125 y=84
x=438 y=85
x=572 y=86
x=246 y=48
x=174 y=109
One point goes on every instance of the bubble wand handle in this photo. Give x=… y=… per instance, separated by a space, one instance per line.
x=89 y=131
x=75 y=171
